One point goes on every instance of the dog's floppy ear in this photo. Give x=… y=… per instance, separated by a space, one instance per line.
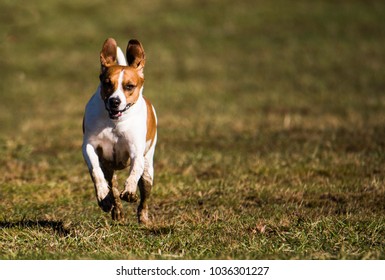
x=135 y=55
x=108 y=53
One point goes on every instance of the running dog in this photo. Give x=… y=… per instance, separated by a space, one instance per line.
x=120 y=130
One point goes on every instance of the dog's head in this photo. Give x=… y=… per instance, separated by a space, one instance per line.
x=121 y=84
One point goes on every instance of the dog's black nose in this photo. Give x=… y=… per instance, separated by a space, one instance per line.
x=114 y=102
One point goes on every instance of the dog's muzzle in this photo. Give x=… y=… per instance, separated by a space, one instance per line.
x=112 y=105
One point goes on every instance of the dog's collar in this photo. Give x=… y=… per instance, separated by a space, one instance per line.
x=116 y=114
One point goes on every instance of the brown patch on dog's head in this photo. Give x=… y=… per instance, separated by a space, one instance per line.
x=128 y=79
x=109 y=79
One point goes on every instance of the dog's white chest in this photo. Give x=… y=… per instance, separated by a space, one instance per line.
x=112 y=146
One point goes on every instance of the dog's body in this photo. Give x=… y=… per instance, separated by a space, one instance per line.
x=120 y=130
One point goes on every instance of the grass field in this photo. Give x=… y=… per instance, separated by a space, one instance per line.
x=271 y=129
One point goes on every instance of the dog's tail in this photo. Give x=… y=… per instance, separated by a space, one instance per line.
x=120 y=57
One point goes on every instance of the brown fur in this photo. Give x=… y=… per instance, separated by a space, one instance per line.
x=110 y=77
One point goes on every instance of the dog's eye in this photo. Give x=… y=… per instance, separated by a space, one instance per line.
x=128 y=87
x=107 y=84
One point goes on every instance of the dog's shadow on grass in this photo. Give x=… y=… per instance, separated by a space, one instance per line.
x=57 y=226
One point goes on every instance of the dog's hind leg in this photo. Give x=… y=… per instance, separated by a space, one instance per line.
x=145 y=190
x=145 y=185
x=117 y=207
x=117 y=211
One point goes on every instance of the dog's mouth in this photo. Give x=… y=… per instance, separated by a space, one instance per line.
x=114 y=114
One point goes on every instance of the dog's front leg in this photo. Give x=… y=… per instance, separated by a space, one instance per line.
x=131 y=184
x=103 y=193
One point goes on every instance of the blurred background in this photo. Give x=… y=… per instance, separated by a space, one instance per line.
x=254 y=57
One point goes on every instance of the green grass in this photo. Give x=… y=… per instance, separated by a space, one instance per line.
x=271 y=129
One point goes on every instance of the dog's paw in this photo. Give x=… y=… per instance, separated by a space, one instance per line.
x=107 y=202
x=128 y=196
x=143 y=217
x=117 y=213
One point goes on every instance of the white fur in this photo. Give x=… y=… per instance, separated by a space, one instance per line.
x=119 y=93
x=123 y=142
x=120 y=57
x=120 y=142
